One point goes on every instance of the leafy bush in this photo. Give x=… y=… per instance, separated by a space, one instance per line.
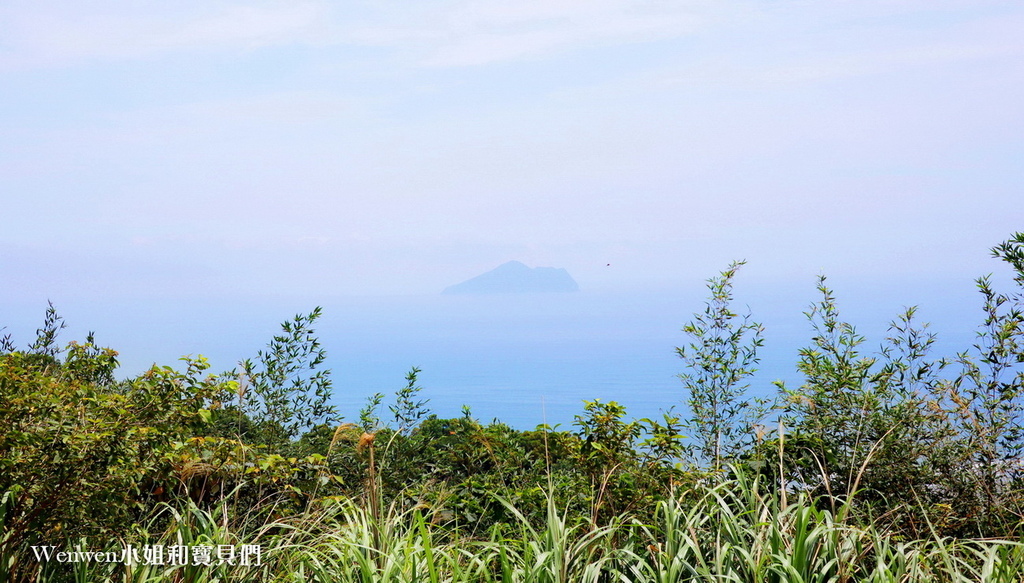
x=76 y=448
x=719 y=359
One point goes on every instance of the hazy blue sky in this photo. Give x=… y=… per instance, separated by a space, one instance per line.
x=194 y=148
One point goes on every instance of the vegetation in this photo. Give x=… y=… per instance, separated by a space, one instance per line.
x=722 y=355
x=888 y=466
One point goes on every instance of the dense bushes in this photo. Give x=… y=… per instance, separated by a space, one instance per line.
x=76 y=449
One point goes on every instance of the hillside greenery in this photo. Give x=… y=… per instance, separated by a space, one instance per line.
x=894 y=464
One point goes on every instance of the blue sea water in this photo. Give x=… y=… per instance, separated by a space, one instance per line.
x=531 y=359
x=523 y=359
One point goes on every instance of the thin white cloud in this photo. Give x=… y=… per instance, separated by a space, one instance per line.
x=777 y=50
x=42 y=35
x=438 y=34
x=981 y=39
x=483 y=32
x=435 y=34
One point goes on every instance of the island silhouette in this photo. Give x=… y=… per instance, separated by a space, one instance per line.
x=514 y=277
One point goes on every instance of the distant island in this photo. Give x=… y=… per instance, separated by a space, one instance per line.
x=514 y=277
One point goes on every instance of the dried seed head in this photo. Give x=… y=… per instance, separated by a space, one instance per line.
x=365 y=441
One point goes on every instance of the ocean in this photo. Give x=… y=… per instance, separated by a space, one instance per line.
x=520 y=359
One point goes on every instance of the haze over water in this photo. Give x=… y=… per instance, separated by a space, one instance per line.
x=523 y=359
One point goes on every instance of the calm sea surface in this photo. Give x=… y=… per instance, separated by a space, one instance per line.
x=524 y=359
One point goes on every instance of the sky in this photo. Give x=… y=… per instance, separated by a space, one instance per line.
x=196 y=149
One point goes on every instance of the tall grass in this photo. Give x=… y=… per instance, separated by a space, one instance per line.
x=735 y=530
